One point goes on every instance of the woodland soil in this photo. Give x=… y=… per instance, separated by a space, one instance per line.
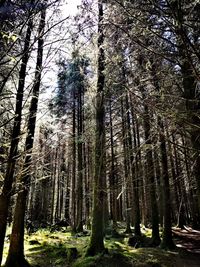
x=188 y=241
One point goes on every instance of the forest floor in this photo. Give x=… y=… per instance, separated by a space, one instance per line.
x=56 y=249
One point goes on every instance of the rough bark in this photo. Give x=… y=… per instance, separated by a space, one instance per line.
x=150 y=172
x=132 y=167
x=13 y=154
x=97 y=237
x=73 y=205
x=167 y=241
x=16 y=249
x=126 y=168
x=79 y=227
x=113 y=197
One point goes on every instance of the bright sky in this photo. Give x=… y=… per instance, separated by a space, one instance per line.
x=71 y=6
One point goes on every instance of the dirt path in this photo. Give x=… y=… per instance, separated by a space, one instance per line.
x=188 y=240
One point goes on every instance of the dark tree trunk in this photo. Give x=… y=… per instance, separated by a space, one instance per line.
x=181 y=220
x=192 y=99
x=113 y=185
x=97 y=238
x=13 y=154
x=132 y=167
x=16 y=249
x=174 y=177
x=150 y=172
x=126 y=168
x=79 y=227
x=160 y=185
x=141 y=174
x=167 y=242
x=73 y=205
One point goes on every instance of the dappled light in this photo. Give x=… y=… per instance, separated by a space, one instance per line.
x=99 y=133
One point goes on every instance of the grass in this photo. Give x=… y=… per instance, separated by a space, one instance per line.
x=44 y=248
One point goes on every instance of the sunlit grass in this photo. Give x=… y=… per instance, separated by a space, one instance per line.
x=44 y=248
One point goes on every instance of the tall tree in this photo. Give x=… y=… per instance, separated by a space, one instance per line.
x=97 y=237
x=16 y=249
x=13 y=154
x=72 y=82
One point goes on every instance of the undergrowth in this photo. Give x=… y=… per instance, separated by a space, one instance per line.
x=58 y=249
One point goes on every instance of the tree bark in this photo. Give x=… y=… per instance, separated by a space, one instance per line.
x=112 y=178
x=126 y=168
x=16 y=249
x=97 y=237
x=13 y=154
x=73 y=203
x=150 y=172
x=79 y=227
x=167 y=241
x=132 y=167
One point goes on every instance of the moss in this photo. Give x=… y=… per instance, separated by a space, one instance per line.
x=111 y=259
x=47 y=251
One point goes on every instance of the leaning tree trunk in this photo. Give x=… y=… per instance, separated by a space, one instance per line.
x=97 y=238
x=16 y=250
x=9 y=176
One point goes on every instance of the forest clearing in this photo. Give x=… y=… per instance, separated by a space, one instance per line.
x=100 y=133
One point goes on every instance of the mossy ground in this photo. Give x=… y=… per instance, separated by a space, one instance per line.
x=44 y=248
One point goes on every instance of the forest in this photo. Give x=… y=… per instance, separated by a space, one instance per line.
x=100 y=133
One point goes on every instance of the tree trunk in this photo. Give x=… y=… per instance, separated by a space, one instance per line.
x=132 y=167
x=167 y=242
x=16 y=249
x=192 y=99
x=97 y=237
x=13 y=154
x=150 y=172
x=73 y=200
x=126 y=168
x=112 y=182
x=79 y=227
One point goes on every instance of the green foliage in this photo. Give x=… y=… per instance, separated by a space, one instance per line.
x=71 y=80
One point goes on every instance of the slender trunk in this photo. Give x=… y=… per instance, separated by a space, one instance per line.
x=192 y=203
x=141 y=174
x=174 y=177
x=97 y=238
x=13 y=154
x=79 y=227
x=54 y=168
x=150 y=172
x=181 y=220
x=73 y=205
x=160 y=185
x=113 y=197
x=167 y=242
x=16 y=249
x=134 y=178
x=126 y=168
